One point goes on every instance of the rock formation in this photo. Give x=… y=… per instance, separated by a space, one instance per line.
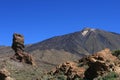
x=5 y=75
x=69 y=69
x=18 y=47
x=90 y=67
x=101 y=63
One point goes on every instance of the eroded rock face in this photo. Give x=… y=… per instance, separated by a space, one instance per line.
x=101 y=63
x=69 y=69
x=18 y=43
x=5 y=75
x=18 y=47
x=90 y=67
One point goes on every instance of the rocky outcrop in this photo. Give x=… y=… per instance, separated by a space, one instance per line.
x=69 y=69
x=90 y=67
x=101 y=63
x=18 y=47
x=5 y=75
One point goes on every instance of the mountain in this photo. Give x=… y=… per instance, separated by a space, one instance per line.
x=57 y=50
x=70 y=47
x=84 y=42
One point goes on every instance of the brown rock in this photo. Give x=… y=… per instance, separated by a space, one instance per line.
x=5 y=75
x=70 y=69
x=9 y=78
x=100 y=64
x=90 y=67
x=18 y=43
x=104 y=55
x=18 y=47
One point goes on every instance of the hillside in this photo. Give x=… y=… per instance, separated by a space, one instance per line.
x=84 y=42
x=57 y=50
x=70 y=47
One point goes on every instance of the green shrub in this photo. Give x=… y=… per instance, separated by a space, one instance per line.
x=61 y=77
x=116 y=53
x=110 y=76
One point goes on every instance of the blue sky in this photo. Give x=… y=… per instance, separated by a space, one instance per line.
x=41 y=19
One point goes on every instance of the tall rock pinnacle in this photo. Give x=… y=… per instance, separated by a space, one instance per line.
x=18 y=47
x=18 y=43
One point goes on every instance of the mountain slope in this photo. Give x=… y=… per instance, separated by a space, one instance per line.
x=69 y=47
x=80 y=43
x=57 y=50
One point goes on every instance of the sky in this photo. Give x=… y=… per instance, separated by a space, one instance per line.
x=38 y=20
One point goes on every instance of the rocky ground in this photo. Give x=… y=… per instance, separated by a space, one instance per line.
x=17 y=64
x=99 y=66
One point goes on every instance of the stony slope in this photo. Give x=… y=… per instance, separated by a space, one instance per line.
x=5 y=49
x=83 y=42
x=99 y=66
x=57 y=50
x=70 y=47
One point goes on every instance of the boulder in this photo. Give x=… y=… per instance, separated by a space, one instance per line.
x=90 y=67
x=101 y=63
x=69 y=69
x=5 y=75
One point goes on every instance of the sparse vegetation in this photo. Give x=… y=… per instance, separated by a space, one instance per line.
x=21 y=71
x=116 y=53
x=51 y=77
x=47 y=55
x=110 y=76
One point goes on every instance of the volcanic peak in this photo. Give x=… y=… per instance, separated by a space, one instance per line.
x=86 y=30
